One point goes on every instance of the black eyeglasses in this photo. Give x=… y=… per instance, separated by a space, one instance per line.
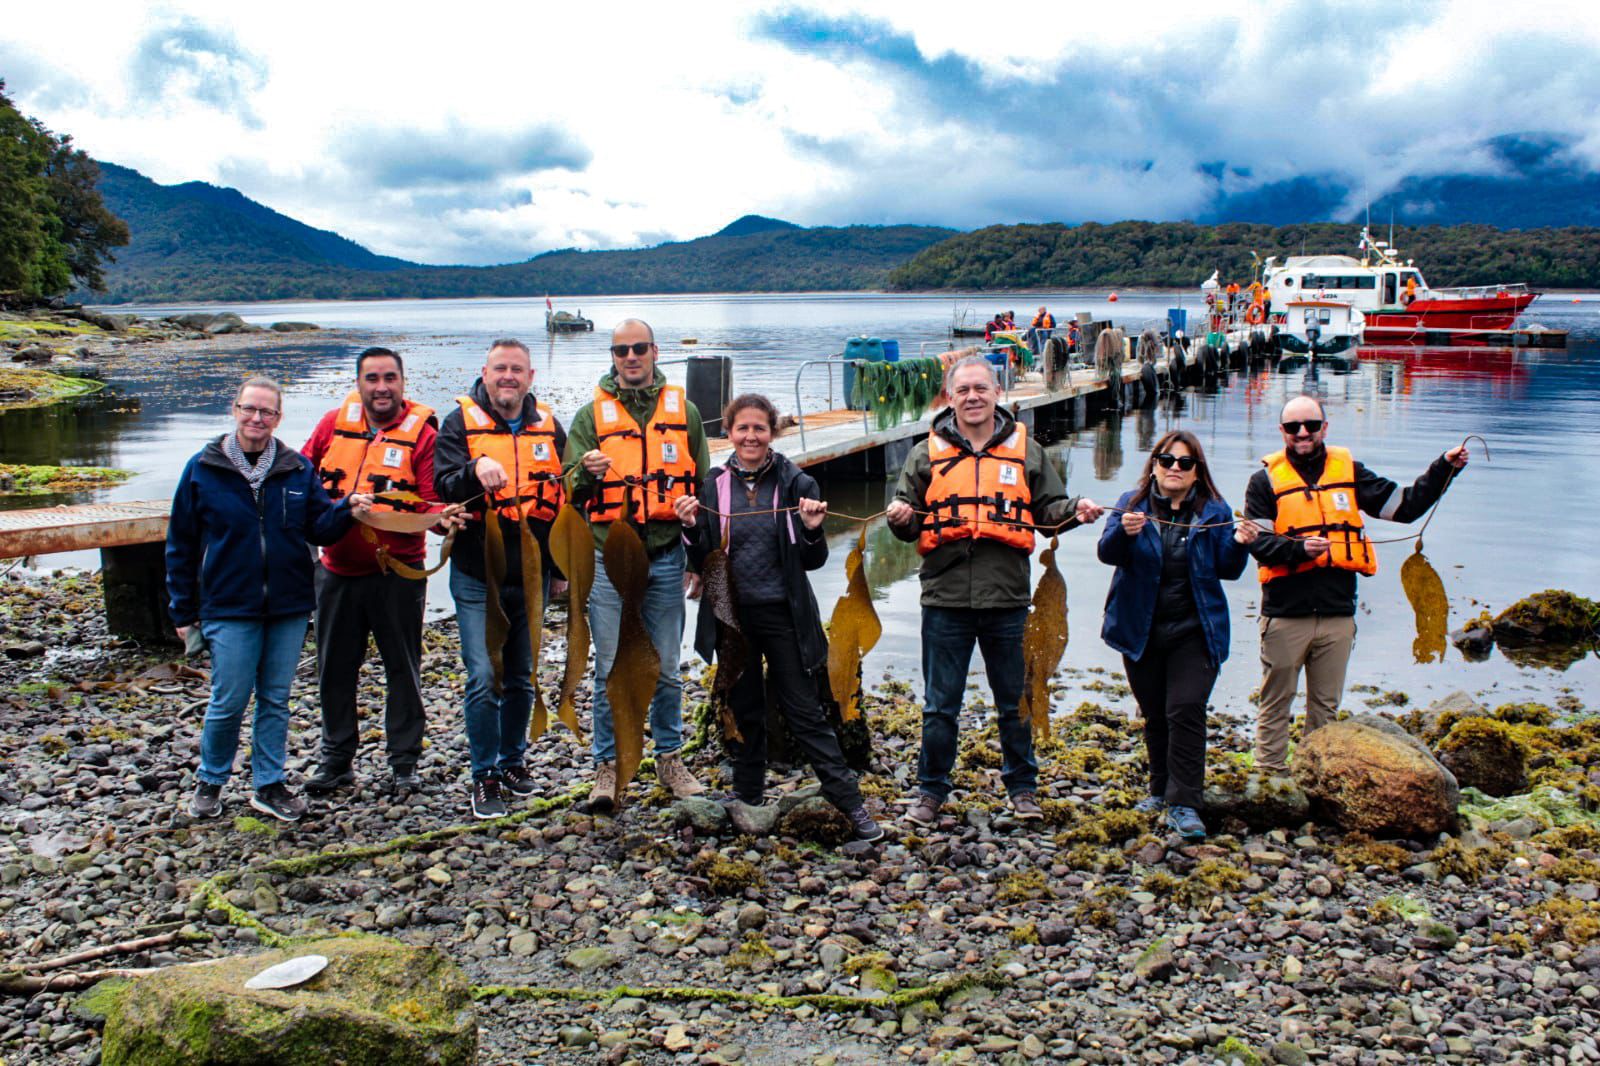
x=1293 y=428
x=266 y=414
x=637 y=347
x=1185 y=463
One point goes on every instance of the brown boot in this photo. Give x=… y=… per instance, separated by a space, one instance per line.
x=680 y=781
x=603 y=794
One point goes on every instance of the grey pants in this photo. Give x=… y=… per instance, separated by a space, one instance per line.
x=1320 y=644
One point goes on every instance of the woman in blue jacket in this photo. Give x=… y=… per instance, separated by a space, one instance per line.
x=245 y=513
x=1167 y=615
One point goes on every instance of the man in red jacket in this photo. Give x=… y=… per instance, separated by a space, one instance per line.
x=376 y=442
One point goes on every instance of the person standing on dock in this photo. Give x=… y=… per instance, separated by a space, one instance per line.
x=1308 y=500
x=639 y=443
x=970 y=496
x=499 y=452
x=246 y=510
x=375 y=442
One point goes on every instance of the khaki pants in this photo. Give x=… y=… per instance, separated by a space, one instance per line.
x=1320 y=644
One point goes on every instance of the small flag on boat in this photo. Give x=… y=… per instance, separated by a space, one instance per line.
x=548 y=305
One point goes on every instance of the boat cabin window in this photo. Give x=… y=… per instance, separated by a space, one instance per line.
x=1411 y=275
x=1390 y=292
x=1340 y=281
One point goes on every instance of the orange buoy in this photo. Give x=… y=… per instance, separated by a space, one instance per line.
x=1112 y=298
x=1576 y=300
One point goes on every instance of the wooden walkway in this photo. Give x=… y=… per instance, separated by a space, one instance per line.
x=43 y=530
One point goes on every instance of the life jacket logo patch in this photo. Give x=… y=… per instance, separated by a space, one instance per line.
x=670 y=402
x=393 y=457
x=541 y=451
x=608 y=410
x=669 y=452
x=1008 y=475
x=409 y=424
x=1341 y=500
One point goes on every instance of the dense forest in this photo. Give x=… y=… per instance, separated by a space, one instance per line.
x=54 y=229
x=1182 y=254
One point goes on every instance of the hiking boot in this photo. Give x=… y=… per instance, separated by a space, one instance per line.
x=861 y=821
x=278 y=801
x=679 y=779
x=329 y=778
x=1025 y=805
x=517 y=780
x=206 y=801
x=603 y=793
x=925 y=812
x=1185 y=821
x=487 y=801
x=1150 y=805
x=403 y=781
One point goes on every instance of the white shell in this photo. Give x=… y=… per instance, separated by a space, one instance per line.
x=291 y=973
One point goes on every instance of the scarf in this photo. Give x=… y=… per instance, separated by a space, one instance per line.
x=752 y=478
x=256 y=474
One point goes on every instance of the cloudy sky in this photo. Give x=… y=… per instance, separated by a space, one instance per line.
x=477 y=133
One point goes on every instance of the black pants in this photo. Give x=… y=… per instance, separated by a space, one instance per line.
x=389 y=609
x=769 y=632
x=1172 y=681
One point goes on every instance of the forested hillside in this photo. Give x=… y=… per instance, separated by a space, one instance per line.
x=1182 y=254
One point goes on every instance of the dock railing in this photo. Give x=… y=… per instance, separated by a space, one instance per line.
x=830 y=362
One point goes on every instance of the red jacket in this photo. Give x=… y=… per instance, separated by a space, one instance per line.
x=352 y=556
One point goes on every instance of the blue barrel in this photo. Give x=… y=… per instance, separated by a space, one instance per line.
x=1177 y=320
x=869 y=349
x=891 y=351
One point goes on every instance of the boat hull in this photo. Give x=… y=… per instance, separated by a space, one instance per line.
x=1444 y=321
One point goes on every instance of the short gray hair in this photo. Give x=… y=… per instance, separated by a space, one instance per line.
x=259 y=381
x=971 y=360
x=634 y=322
x=510 y=342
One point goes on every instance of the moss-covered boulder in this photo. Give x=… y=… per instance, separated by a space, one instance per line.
x=378 y=1002
x=816 y=820
x=1554 y=616
x=1484 y=754
x=1261 y=801
x=1370 y=775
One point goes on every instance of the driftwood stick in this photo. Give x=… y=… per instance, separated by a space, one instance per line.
x=24 y=984
x=124 y=947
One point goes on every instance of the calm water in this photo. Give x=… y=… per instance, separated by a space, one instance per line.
x=1507 y=528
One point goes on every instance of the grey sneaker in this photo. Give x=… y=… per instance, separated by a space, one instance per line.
x=925 y=812
x=861 y=821
x=1185 y=821
x=1026 y=807
x=278 y=801
x=680 y=781
x=603 y=793
x=206 y=801
x=1150 y=805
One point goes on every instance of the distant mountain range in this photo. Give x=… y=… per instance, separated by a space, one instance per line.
x=199 y=242
x=196 y=241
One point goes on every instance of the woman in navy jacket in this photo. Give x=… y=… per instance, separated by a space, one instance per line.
x=245 y=513
x=1167 y=615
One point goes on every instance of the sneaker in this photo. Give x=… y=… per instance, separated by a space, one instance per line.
x=862 y=823
x=405 y=779
x=925 y=811
x=517 y=780
x=486 y=799
x=1025 y=805
x=1185 y=821
x=329 y=778
x=679 y=779
x=278 y=801
x=603 y=793
x=206 y=801
x=1151 y=805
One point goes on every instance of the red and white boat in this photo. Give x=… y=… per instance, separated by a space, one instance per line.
x=1392 y=303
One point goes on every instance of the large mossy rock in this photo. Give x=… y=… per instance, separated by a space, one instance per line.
x=378 y=1002
x=1368 y=774
x=1259 y=800
x=1484 y=754
x=1554 y=616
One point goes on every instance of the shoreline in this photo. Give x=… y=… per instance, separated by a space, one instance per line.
x=1098 y=937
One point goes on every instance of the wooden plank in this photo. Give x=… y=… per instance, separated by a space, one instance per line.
x=44 y=530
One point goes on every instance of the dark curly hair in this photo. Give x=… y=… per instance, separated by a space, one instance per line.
x=747 y=400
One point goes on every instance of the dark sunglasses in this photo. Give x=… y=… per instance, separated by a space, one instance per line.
x=1185 y=463
x=1293 y=428
x=638 y=347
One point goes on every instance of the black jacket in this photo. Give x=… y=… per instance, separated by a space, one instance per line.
x=807 y=550
x=1328 y=590
x=456 y=482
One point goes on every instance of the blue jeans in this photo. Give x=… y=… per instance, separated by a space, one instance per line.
x=948 y=634
x=663 y=619
x=246 y=657
x=497 y=725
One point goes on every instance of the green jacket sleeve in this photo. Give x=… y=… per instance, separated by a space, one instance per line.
x=697 y=441
x=580 y=441
x=913 y=489
x=1051 y=504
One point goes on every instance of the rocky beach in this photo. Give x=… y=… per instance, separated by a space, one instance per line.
x=671 y=933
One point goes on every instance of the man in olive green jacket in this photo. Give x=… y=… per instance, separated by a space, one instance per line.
x=636 y=384
x=975 y=589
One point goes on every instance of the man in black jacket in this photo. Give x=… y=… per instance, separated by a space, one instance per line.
x=1308 y=500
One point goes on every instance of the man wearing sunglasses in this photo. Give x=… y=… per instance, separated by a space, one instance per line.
x=1309 y=500
x=634 y=450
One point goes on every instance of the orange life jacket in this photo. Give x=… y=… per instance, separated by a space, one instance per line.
x=360 y=459
x=1044 y=321
x=1325 y=510
x=651 y=467
x=532 y=466
x=983 y=495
